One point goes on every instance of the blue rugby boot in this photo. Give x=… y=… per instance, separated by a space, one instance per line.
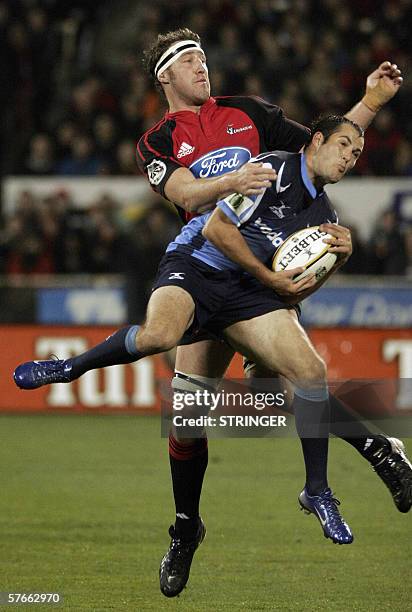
x=35 y=374
x=325 y=508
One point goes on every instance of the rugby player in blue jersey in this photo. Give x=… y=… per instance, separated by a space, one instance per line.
x=202 y=287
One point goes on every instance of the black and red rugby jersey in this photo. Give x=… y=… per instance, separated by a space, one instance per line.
x=224 y=135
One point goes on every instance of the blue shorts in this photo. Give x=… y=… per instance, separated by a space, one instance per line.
x=221 y=297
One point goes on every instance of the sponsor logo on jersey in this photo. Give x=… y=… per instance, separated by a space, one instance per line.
x=274 y=237
x=232 y=130
x=279 y=210
x=219 y=162
x=156 y=171
x=279 y=187
x=185 y=149
x=235 y=200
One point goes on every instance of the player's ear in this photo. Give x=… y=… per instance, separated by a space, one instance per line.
x=317 y=140
x=164 y=78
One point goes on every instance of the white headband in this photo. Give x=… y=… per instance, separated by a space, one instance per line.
x=173 y=53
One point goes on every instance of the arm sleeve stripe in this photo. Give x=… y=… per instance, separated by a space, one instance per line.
x=146 y=141
x=145 y=135
x=228 y=212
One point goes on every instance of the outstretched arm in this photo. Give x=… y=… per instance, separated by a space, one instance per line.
x=381 y=85
x=200 y=194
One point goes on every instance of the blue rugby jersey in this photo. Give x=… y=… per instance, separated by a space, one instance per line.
x=265 y=221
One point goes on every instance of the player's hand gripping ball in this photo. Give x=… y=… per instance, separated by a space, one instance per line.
x=305 y=248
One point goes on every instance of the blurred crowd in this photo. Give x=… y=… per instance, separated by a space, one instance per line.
x=52 y=235
x=75 y=100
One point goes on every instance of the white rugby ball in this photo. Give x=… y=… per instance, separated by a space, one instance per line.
x=305 y=248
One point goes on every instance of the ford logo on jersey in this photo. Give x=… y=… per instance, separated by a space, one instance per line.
x=220 y=161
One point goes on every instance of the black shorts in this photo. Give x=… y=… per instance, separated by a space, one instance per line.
x=221 y=297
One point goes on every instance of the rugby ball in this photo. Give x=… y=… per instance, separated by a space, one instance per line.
x=305 y=248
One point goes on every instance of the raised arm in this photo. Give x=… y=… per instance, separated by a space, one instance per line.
x=381 y=85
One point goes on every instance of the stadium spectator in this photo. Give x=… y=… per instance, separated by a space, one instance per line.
x=125 y=160
x=403 y=158
x=388 y=254
x=105 y=136
x=82 y=159
x=358 y=261
x=382 y=141
x=40 y=160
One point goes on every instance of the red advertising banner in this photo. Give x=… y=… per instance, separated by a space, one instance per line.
x=349 y=353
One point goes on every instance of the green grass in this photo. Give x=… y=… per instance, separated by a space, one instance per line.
x=86 y=502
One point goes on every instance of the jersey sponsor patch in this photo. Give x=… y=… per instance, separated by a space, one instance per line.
x=220 y=161
x=232 y=130
x=156 y=171
x=239 y=208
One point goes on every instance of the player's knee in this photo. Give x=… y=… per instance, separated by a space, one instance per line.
x=312 y=371
x=316 y=371
x=157 y=339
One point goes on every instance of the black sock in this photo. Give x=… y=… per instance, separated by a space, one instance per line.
x=188 y=463
x=347 y=425
x=117 y=348
x=311 y=418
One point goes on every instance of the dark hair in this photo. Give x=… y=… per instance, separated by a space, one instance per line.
x=152 y=55
x=329 y=124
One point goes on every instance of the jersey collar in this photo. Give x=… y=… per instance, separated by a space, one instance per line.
x=187 y=113
x=306 y=180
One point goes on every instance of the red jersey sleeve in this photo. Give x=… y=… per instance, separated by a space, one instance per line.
x=155 y=156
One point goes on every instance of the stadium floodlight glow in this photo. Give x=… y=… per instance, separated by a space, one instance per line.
x=173 y=53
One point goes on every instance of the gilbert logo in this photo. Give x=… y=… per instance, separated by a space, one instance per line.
x=232 y=130
x=185 y=149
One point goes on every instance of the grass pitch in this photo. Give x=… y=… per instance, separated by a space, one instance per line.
x=86 y=502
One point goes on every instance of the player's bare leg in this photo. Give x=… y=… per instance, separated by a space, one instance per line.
x=169 y=313
x=279 y=343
